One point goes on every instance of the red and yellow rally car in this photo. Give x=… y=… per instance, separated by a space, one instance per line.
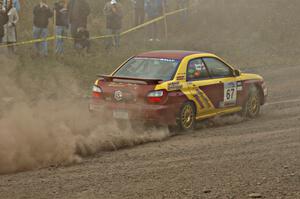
x=176 y=88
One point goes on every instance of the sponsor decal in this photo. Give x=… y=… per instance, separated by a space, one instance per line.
x=174 y=86
x=160 y=59
x=168 y=60
x=181 y=77
x=118 y=95
x=204 y=97
x=199 y=101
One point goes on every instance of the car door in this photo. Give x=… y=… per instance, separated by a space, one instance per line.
x=223 y=89
x=197 y=76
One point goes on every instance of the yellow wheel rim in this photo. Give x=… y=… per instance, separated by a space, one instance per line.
x=253 y=104
x=187 y=117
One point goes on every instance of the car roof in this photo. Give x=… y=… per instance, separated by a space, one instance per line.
x=169 y=54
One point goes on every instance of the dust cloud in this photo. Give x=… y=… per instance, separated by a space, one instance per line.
x=37 y=133
x=57 y=131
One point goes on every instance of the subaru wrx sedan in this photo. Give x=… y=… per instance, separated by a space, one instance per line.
x=177 y=88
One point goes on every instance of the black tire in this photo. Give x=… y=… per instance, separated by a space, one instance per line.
x=186 y=118
x=251 y=107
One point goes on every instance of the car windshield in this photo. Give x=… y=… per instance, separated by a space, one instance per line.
x=149 y=68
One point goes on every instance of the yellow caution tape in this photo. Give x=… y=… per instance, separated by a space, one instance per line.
x=143 y=25
x=63 y=37
x=27 y=42
x=175 y=11
x=101 y=37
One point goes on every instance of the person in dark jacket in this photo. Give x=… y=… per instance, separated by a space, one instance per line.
x=61 y=25
x=79 y=11
x=114 y=15
x=82 y=40
x=3 y=20
x=41 y=15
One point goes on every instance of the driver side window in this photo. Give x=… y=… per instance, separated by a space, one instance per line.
x=196 y=70
x=216 y=68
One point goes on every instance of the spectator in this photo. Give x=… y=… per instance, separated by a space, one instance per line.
x=79 y=11
x=10 y=31
x=16 y=4
x=154 y=9
x=82 y=40
x=3 y=20
x=61 y=25
x=139 y=11
x=41 y=16
x=114 y=15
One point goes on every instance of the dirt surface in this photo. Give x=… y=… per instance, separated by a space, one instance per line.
x=258 y=158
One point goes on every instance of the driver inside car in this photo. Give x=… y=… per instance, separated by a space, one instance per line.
x=193 y=71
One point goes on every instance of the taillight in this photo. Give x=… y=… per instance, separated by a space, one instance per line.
x=157 y=96
x=97 y=92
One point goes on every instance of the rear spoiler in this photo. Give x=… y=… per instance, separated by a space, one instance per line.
x=110 y=78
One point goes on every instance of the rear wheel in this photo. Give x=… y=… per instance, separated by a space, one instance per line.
x=251 y=107
x=186 y=118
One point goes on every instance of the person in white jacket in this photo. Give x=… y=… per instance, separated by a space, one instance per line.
x=10 y=31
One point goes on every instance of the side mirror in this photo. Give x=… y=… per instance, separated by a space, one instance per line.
x=237 y=72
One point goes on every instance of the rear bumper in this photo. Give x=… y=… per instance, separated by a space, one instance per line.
x=158 y=114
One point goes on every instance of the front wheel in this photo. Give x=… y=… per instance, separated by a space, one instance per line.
x=251 y=107
x=186 y=118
